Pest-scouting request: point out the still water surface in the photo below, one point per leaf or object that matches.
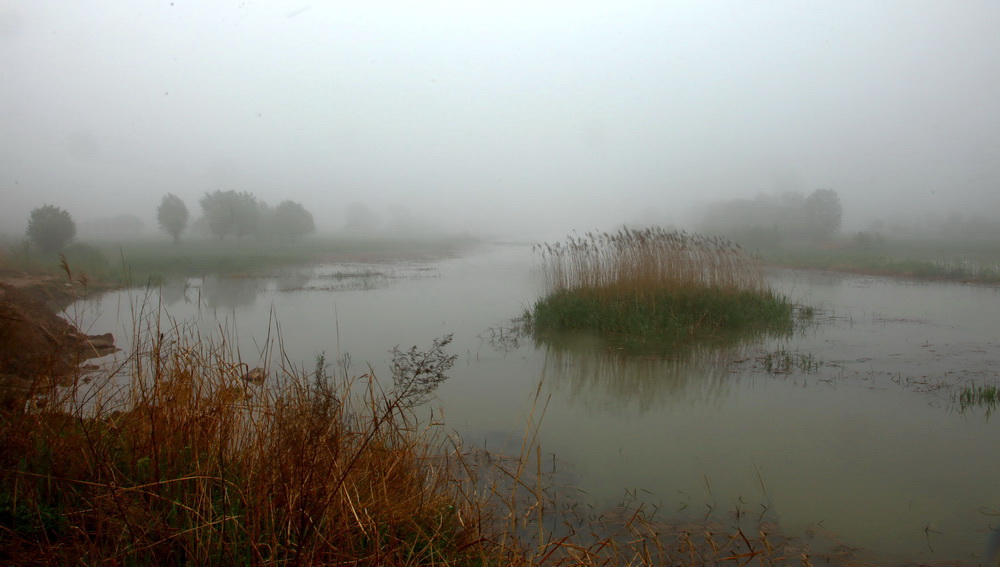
(860, 442)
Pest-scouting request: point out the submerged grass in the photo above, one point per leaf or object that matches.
(655, 283)
(782, 361)
(985, 396)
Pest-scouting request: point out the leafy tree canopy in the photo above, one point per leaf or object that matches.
(172, 215)
(291, 221)
(51, 228)
(231, 213)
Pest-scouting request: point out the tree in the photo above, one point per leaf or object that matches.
(291, 221)
(173, 215)
(229, 212)
(823, 212)
(50, 228)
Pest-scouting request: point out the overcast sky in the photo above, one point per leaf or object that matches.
(501, 115)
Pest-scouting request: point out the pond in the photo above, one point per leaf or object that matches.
(847, 431)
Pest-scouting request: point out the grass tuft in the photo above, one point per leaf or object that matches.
(985, 396)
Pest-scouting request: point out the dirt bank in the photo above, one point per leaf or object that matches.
(38, 348)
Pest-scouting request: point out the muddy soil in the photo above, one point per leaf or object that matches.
(39, 349)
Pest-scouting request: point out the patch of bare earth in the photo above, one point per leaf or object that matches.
(38, 349)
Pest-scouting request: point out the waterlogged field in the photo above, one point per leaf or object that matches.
(850, 436)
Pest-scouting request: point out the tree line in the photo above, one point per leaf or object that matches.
(224, 214)
(768, 220)
(238, 214)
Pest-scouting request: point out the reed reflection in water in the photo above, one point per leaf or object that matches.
(608, 378)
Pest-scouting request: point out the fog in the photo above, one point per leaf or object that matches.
(505, 117)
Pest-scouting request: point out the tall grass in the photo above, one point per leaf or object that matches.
(173, 458)
(654, 282)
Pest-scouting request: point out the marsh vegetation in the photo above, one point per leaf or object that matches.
(174, 457)
(983, 396)
(718, 448)
(655, 283)
(970, 261)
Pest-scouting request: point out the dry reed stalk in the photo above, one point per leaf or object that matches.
(648, 259)
(171, 458)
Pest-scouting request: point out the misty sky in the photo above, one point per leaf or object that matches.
(508, 115)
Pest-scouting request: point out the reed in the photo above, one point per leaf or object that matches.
(985, 396)
(654, 282)
(174, 458)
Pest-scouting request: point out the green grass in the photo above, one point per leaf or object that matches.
(956, 260)
(145, 260)
(985, 396)
(159, 258)
(655, 284)
(669, 312)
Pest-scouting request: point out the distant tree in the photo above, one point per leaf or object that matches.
(173, 215)
(771, 220)
(823, 212)
(291, 221)
(229, 212)
(51, 228)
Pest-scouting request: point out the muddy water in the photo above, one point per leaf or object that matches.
(845, 432)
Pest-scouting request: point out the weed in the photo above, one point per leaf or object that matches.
(985, 396)
(784, 362)
(416, 374)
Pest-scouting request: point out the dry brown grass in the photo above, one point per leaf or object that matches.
(650, 259)
(172, 458)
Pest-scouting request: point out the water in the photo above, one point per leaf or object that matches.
(865, 447)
